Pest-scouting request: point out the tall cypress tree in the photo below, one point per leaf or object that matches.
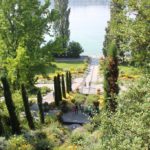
(63, 86)
(41, 112)
(59, 88)
(70, 81)
(67, 82)
(11, 107)
(27, 108)
(56, 91)
(111, 73)
(1, 127)
(61, 26)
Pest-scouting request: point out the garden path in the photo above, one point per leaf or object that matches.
(88, 84)
(92, 81)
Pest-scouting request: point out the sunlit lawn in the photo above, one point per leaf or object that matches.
(71, 65)
(57, 67)
(129, 70)
(127, 73)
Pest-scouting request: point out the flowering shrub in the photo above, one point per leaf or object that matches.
(18, 143)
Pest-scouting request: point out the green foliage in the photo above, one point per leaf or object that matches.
(128, 127)
(44, 144)
(1, 126)
(45, 90)
(17, 97)
(41, 112)
(91, 99)
(21, 37)
(79, 98)
(56, 91)
(67, 82)
(27, 107)
(61, 25)
(78, 137)
(2, 143)
(74, 49)
(63, 86)
(70, 81)
(130, 28)
(59, 88)
(17, 143)
(11, 107)
(111, 74)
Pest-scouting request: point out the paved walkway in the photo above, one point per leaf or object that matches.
(88, 84)
(92, 82)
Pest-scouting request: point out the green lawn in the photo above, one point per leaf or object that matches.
(129, 70)
(73, 66)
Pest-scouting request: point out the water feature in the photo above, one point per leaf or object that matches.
(88, 20)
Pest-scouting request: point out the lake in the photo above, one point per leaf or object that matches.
(88, 20)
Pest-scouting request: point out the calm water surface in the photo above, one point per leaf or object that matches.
(88, 21)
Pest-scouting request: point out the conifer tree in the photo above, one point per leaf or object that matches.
(11, 107)
(63, 87)
(27, 108)
(111, 73)
(56, 91)
(61, 26)
(67, 82)
(59, 88)
(41, 112)
(70, 81)
(1, 127)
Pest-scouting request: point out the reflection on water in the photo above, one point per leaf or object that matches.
(88, 20)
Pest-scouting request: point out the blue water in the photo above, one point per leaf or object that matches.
(88, 21)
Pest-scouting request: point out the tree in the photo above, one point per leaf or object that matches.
(41, 112)
(21, 38)
(127, 19)
(70, 81)
(115, 29)
(27, 107)
(56, 91)
(111, 72)
(67, 82)
(74, 49)
(1, 126)
(59, 88)
(10, 107)
(61, 25)
(63, 86)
